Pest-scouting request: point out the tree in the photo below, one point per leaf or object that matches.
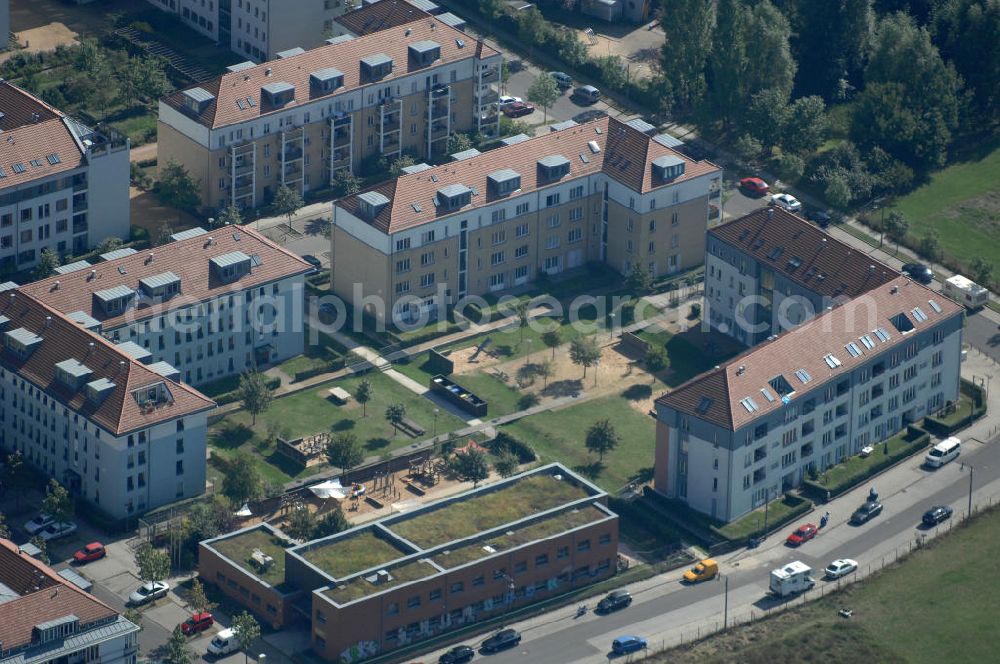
(930, 245)
(209, 518)
(153, 564)
(255, 394)
(602, 438)
(4, 528)
(552, 339)
(345, 183)
(176, 188)
(532, 29)
(832, 41)
(134, 616)
(805, 126)
(58, 503)
(287, 202)
(344, 451)
(982, 270)
(470, 466)
(687, 25)
(639, 280)
(331, 523)
(544, 92)
(48, 261)
(16, 477)
(910, 105)
(491, 9)
(111, 243)
(230, 215)
(176, 649)
(769, 34)
(748, 148)
(395, 414)
(837, 192)
(584, 352)
(656, 359)
(300, 524)
(966, 32)
(154, 82)
(506, 463)
(896, 227)
(163, 235)
(399, 163)
(459, 142)
(545, 369)
(728, 58)
(43, 548)
(521, 312)
(247, 631)
(197, 597)
(242, 482)
(766, 117)
(363, 393)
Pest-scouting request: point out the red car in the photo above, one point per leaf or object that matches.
(754, 186)
(517, 109)
(803, 534)
(93, 551)
(199, 622)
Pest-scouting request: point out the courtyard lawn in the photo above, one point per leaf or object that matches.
(310, 412)
(686, 359)
(961, 203)
(559, 436)
(501, 397)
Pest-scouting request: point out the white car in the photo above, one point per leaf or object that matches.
(841, 567)
(56, 531)
(507, 100)
(39, 523)
(787, 201)
(148, 592)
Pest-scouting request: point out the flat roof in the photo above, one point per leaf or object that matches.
(239, 546)
(133, 349)
(118, 253)
(72, 267)
(340, 557)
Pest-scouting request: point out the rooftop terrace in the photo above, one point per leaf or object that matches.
(239, 548)
(361, 586)
(515, 537)
(467, 515)
(341, 557)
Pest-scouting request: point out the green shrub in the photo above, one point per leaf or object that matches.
(505, 441)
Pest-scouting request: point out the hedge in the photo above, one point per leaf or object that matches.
(234, 395)
(521, 450)
(798, 505)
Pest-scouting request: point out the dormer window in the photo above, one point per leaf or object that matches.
(71, 373)
(554, 167)
(277, 94)
(375, 67)
(154, 395)
(326, 80)
(197, 100)
(230, 267)
(371, 203)
(164, 285)
(454, 197)
(424, 52)
(668, 167)
(115, 301)
(21, 342)
(504, 182)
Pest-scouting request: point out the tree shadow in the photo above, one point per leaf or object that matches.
(232, 436)
(638, 392)
(284, 464)
(376, 443)
(564, 388)
(317, 226)
(590, 470)
(643, 475)
(343, 425)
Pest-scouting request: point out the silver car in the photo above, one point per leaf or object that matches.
(148, 592)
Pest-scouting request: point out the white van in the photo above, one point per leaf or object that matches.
(943, 452)
(224, 643)
(793, 578)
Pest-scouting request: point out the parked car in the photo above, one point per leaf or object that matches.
(787, 201)
(936, 515)
(919, 272)
(841, 567)
(626, 644)
(91, 552)
(518, 109)
(586, 94)
(618, 599)
(148, 592)
(702, 571)
(802, 534)
(821, 217)
(56, 531)
(754, 186)
(866, 512)
(312, 260)
(223, 643)
(199, 622)
(507, 100)
(39, 523)
(505, 638)
(587, 116)
(457, 655)
(562, 79)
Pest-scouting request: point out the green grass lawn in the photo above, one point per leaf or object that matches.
(501, 397)
(310, 411)
(686, 359)
(858, 466)
(342, 557)
(778, 510)
(939, 605)
(239, 548)
(961, 203)
(560, 435)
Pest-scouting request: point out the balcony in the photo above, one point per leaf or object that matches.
(292, 154)
(390, 125)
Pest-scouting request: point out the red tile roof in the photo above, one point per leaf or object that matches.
(625, 154)
(715, 396)
(188, 259)
(44, 596)
(345, 56)
(63, 339)
(31, 131)
(826, 265)
(380, 15)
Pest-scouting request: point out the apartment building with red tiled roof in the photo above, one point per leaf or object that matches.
(297, 120)
(597, 192)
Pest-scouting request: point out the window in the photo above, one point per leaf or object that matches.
(403, 265)
(499, 237)
(583, 545)
(427, 280)
(499, 215)
(576, 192)
(552, 199)
(552, 242)
(434, 594)
(413, 602)
(403, 244)
(562, 552)
(457, 587)
(576, 214)
(521, 566)
(552, 221)
(403, 287)
(497, 258)
(523, 208)
(542, 560)
(425, 238)
(521, 251)
(575, 235)
(521, 230)
(180, 467)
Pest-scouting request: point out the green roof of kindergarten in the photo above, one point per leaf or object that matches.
(239, 547)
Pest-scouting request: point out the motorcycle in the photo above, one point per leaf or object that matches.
(581, 610)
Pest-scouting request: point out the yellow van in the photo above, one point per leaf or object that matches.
(703, 571)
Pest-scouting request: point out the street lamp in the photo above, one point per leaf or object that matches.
(725, 605)
(971, 471)
(436, 411)
(611, 327)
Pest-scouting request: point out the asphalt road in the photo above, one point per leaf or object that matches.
(588, 639)
(983, 333)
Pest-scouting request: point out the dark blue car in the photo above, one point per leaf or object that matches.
(626, 644)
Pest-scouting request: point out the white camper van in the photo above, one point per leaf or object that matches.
(793, 578)
(965, 291)
(945, 451)
(225, 642)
